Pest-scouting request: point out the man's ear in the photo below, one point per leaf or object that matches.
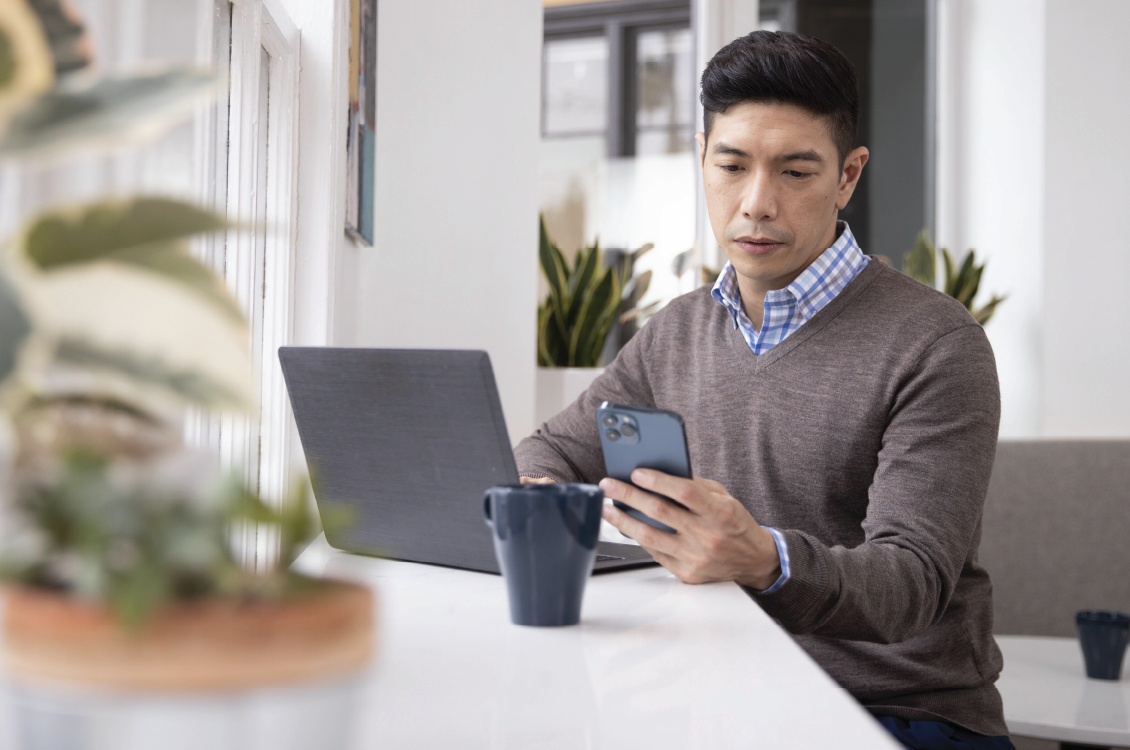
(849, 178)
(701, 138)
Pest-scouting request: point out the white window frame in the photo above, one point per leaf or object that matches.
(256, 258)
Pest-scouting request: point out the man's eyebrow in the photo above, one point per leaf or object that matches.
(808, 155)
(722, 148)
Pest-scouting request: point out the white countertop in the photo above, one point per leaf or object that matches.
(654, 663)
(1047, 694)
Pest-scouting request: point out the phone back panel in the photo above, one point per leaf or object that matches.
(661, 442)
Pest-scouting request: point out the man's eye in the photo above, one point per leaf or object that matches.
(795, 173)
(730, 167)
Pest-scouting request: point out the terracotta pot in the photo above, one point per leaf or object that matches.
(212, 644)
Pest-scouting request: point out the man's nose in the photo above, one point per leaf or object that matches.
(759, 199)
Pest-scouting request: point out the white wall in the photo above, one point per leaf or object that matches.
(455, 257)
(454, 261)
(1086, 359)
(990, 190)
(1034, 172)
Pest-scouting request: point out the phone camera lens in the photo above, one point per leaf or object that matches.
(627, 430)
(612, 435)
(609, 420)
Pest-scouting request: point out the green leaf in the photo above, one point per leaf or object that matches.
(544, 359)
(581, 282)
(134, 595)
(14, 328)
(972, 283)
(552, 344)
(950, 281)
(594, 310)
(551, 264)
(920, 262)
(562, 260)
(641, 251)
(175, 262)
(191, 386)
(682, 262)
(106, 112)
(643, 281)
(984, 313)
(98, 230)
(964, 276)
(554, 267)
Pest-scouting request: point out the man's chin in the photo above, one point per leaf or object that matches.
(759, 268)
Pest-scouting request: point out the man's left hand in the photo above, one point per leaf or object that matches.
(718, 539)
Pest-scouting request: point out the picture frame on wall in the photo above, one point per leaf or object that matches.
(361, 140)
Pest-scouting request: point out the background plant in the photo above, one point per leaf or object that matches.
(961, 282)
(585, 300)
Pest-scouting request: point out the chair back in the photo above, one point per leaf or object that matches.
(1056, 533)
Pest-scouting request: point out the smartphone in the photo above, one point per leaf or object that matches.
(639, 437)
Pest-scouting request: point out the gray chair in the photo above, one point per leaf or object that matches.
(1056, 534)
(1056, 538)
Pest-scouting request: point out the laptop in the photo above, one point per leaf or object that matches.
(405, 442)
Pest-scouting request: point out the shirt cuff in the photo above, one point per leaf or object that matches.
(783, 553)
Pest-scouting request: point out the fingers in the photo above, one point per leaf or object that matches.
(645, 502)
(536, 480)
(650, 538)
(686, 491)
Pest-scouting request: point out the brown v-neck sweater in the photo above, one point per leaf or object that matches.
(867, 437)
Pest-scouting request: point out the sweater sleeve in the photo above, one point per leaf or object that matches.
(567, 447)
(924, 505)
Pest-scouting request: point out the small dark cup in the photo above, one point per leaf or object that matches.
(545, 539)
(1103, 637)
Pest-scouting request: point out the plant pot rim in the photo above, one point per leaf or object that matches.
(212, 643)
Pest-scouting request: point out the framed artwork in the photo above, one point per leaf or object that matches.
(361, 141)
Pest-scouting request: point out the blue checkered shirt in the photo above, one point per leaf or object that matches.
(788, 309)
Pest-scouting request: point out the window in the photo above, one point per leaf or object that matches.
(248, 160)
(619, 69)
(664, 92)
(617, 151)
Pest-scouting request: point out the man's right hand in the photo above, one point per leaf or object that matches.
(536, 480)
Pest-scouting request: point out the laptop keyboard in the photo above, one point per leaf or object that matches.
(606, 558)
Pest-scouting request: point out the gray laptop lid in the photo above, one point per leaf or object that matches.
(407, 440)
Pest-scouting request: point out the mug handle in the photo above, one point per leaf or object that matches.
(486, 510)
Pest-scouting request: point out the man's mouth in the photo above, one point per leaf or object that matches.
(757, 245)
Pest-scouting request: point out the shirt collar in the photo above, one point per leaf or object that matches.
(821, 274)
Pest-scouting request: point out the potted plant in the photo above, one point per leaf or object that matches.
(587, 301)
(962, 284)
(118, 568)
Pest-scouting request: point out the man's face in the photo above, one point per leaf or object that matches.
(774, 188)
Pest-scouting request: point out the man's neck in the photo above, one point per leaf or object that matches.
(753, 291)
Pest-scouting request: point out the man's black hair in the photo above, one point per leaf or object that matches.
(779, 66)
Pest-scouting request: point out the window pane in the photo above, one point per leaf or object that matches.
(665, 78)
(575, 86)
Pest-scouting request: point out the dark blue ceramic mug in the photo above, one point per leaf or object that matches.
(545, 540)
(1103, 637)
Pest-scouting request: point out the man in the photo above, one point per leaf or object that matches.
(841, 417)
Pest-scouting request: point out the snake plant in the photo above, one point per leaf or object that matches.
(582, 305)
(962, 284)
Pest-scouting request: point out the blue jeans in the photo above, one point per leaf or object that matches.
(935, 735)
